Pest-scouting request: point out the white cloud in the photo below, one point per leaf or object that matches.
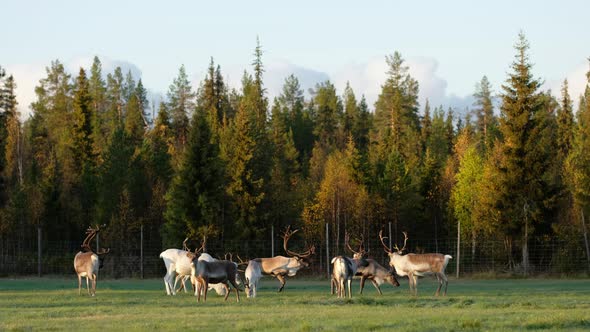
(367, 78)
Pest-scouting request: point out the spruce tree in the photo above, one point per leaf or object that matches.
(195, 199)
(486, 122)
(97, 90)
(82, 131)
(522, 191)
(565, 123)
(181, 103)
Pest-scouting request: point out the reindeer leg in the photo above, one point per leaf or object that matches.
(377, 286)
(199, 288)
(233, 283)
(79, 285)
(87, 285)
(226, 291)
(282, 281)
(94, 285)
(446, 280)
(415, 284)
(205, 288)
(440, 282)
(363, 279)
(350, 288)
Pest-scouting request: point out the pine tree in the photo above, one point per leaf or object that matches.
(82, 132)
(426, 125)
(328, 109)
(181, 103)
(194, 198)
(144, 104)
(565, 123)
(97, 90)
(522, 191)
(113, 118)
(396, 109)
(134, 124)
(486, 121)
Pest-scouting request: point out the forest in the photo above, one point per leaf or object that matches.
(230, 164)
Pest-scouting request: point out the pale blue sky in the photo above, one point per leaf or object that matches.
(449, 45)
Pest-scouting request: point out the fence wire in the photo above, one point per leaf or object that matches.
(548, 256)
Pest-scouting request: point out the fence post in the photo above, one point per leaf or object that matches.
(390, 234)
(141, 251)
(458, 246)
(39, 250)
(327, 252)
(272, 240)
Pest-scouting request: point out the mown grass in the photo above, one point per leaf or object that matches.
(305, 305)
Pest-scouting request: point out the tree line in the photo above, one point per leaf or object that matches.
(230, 164)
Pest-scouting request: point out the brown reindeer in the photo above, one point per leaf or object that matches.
(415, 265)
(87, 262)
(279, 266)
(369, 269)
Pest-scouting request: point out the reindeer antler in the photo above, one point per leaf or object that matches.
(184, 246)
(90, 234)
(405, 241)
(387, 249)
(286, 236)
(361, 250)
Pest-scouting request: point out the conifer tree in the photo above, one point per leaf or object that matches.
(565, 123)
(181, 103)
(328, 109)
(486, 123)
(82, 132)
(97, 90)
(194, 198)
(522, 191)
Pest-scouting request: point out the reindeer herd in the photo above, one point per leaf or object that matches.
(206, 272)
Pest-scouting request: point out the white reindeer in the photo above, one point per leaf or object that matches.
(417, 265)
(178, 268)
(343, 270)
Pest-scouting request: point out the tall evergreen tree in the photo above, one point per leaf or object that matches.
(565, 123)
(97, 90)
(328, 110)
(181, 103)
(82, 116)
(486, 121)
(522, 192)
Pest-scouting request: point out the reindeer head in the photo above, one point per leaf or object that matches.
(87, 247)
(302, 258)
(388, 250)
(361, 253)
(248, 288)
(193, 255)
(391, 279)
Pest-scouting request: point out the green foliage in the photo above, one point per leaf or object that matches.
(195, 196)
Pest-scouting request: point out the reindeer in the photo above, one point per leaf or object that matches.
(178, 268)
(204, 273)
(417, 265)
(87, 262)
(252, 275)
(343, 270)
(370, 269)
(278, 266)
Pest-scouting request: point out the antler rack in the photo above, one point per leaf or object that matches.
(286, 236)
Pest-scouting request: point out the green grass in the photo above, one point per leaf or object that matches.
(305, 305)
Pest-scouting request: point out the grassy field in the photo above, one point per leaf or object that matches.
(537, 304)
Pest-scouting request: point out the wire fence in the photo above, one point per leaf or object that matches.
(547, 256)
